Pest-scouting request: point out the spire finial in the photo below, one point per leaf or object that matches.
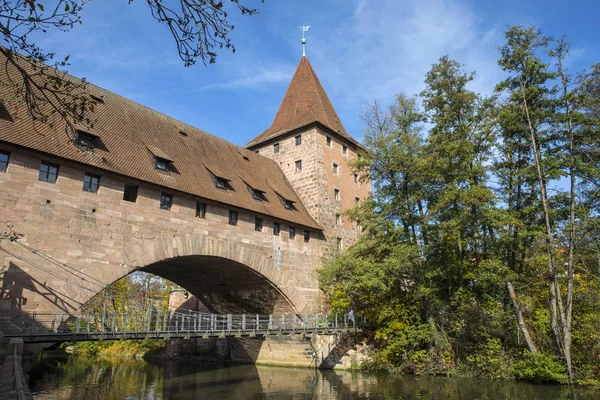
(304, 28)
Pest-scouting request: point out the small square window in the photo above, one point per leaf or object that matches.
(4, 156)
(221, 183)
(298, 140)
(292, 233)
(298, 165)
(200, 209)
(276, 148)
(338, 219)
(257, 195)
(91, 183)
(356, 200)
(276, 228)
(258, 224)
(344, 150)
(336, 194)
(166, 201)
(162, 164)
(233, 217)
(289, 205)
(130, 193)
(335, 169)
(339, 243)
(307, 236)
(48, 172)
(328, 141)
(355, 177)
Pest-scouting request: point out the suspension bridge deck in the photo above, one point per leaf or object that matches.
(44, 328)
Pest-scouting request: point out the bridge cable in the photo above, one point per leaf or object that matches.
(61, 265)
(67, 280)
(106, 290)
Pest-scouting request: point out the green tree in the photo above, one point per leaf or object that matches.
(458, 149)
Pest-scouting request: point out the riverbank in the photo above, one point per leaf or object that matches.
(536, 369)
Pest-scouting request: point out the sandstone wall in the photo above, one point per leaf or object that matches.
(84, 241)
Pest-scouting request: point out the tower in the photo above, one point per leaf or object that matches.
(310, 144)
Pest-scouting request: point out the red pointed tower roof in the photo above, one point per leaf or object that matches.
(304, 103)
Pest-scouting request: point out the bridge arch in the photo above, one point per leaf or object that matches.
(228, 276)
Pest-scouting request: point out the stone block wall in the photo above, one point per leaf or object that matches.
(316, 183)
(80, 242)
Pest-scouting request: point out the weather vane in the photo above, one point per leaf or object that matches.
(304, 28)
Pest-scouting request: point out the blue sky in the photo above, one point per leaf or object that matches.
(360, 49)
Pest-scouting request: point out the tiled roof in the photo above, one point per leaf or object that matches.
(305, 102)
(129, 133)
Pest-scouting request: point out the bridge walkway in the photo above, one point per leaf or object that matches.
(43, 328)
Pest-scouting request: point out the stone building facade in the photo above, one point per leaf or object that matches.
(244, 232)
(311, 146)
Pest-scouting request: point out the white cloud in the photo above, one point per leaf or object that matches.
(255, 78)
(387, 46)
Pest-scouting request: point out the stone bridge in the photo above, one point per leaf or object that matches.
(244, 229)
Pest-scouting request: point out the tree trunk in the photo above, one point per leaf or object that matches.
(423, 229)
(552, 278)
(571, 267)
(519, 315)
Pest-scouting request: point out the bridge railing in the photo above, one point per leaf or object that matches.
(62, 326)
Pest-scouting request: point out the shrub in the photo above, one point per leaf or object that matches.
(539, 367)
(491, 361)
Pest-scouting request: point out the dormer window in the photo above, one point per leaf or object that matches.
(258, 195)
(4, 114)
(287, 203)
(85, 138)
(162, 160)
(162, 164)
(221, 183)
(97, 99)
(219, 179)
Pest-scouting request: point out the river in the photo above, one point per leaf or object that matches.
(58, 376)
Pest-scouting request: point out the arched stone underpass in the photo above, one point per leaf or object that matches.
(224, 286)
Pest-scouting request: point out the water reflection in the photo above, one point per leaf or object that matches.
(60, 377)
